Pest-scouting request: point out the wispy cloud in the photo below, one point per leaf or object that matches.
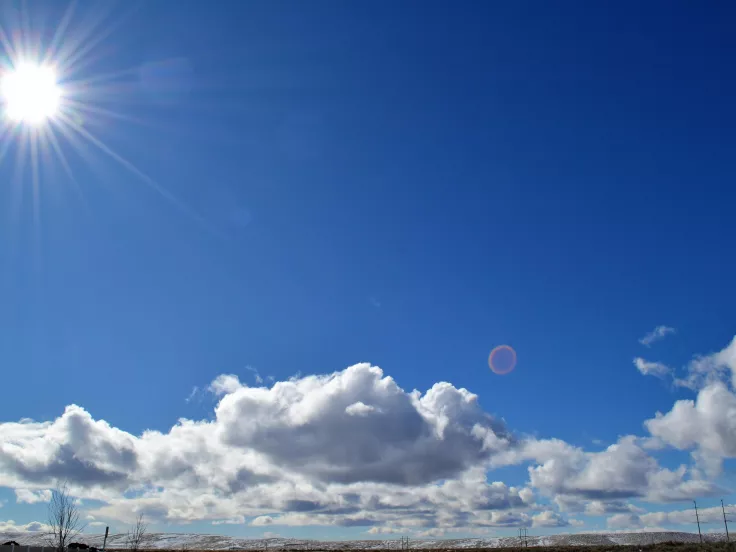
(256, 375)
(651, 368)
(657, 334)
(193, 394)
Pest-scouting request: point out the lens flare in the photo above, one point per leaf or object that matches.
(502, 360)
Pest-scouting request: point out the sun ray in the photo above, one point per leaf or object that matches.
(7, 44)
(51, 96)
(82, 108)
(35, 181)
(50, 137)
(77, 55)
(59, 32)
(166, 194)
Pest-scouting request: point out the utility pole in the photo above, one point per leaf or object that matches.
(697, 520)
(725, 520)
(104, 542)
(523, 542)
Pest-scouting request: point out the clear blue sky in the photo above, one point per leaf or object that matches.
(403, 184)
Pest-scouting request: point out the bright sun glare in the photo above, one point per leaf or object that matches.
(31, 93)
(50, 93)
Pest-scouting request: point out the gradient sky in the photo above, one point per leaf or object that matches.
(276, 190)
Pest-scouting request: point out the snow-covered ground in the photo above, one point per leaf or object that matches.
(191, 541)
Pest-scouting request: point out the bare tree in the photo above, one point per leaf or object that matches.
(63, 519)
(136, 535)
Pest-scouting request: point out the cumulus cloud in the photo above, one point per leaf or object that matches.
(684, 517)
(648, 368)
(658, 333)
(10, 526)
(600, 508)
(410, 438)
(31, 497)
(224, 384)
(705, 370)
(348, 449)
(623, 470)
(623, 521)
(359, 409)
(74, 447)
(548, 518)
(706, 425)
(652, 520)
(569, 503)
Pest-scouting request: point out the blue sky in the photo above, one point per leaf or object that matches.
(286, 189)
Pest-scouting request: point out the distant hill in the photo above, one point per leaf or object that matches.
(193, 541)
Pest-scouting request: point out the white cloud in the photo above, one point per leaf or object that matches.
(707, 424)
(383, 530)
(658, 333)
(623, 470)
(705, 370)
(410, 439)
(31, 497)
(262, 520)
(548, 518)
(623, 521)
(359, 409)
(527, 496)
(648, 368)
(600, 508)
(225, 384)
(685, 517)
(10, 526)
(349, 448)
(256, 374)
(569, 503)
(346, 449)
(193, 394)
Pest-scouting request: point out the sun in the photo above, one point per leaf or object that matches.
(30, 93)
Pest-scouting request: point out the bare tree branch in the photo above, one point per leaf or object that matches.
(136, 535)
(63, 519)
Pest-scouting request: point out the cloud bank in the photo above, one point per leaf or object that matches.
(354, 449)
